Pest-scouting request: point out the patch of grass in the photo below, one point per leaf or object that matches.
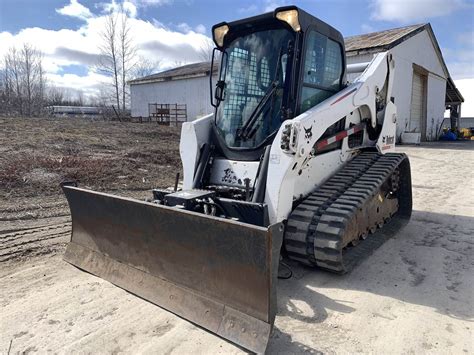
(158, 156)
(46, 172)
(37, 154)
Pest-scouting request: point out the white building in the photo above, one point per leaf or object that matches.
(422, 89)
(187, 85)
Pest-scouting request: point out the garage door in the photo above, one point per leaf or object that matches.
(417, 103)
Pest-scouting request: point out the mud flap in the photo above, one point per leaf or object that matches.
(216, 273)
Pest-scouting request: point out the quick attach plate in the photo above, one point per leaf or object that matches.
(187, 198)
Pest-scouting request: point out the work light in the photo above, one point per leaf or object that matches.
(219, 34)
(290, 17)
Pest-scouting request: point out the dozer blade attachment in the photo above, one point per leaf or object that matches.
(217, 273)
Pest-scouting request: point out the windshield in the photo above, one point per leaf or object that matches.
(254, 67)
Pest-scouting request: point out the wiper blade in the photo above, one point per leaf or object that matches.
(246, 129)
(250, 123)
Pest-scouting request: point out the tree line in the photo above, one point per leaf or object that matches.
(25, 90)
(22, 82)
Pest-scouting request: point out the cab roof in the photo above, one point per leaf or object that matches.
(306, 21)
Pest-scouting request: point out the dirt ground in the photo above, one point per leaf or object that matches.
(415, 294)
(36, 155)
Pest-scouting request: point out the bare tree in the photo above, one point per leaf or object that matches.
(32, 77)
(179, 63)
(127, 53)
(60, 96)
(80, 98)
(144, 67)
(118, 55)
(42, 83)
(109, 63)
(55, 96)
(23, 80)
(5, 88)
(205, 52)
(27, 54)
(13, 74)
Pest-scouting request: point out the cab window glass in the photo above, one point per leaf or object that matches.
(311, 97)
(252, 63)
(322, 70)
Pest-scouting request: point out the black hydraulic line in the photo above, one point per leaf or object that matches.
(259, 193)
(201, 169)
(176, 181)
(247, 189)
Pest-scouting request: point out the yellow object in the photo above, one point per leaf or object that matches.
(291, 18)
(219, 34)
(466, 132)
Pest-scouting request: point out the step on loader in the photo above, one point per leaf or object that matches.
(294, 162)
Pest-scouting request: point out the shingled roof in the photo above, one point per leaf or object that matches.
(382, 40)
(183, 72)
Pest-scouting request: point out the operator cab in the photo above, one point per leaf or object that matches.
(273, 67)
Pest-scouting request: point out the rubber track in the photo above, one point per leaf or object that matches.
(316, 227)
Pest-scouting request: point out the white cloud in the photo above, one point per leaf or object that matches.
(366, 28)
(271, 5)
(75, 9)
(130, 8)
(200, 28)
(466, 38)
(460, 62)
(108, 7)
(466, 87)
(406, 11)
(461, 68)
(89, 84)
(249, 9)
(184, 27)
(65, 47)
(152, 2)
(263, 6)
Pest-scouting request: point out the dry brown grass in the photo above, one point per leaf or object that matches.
(46, 172)
(37, 154)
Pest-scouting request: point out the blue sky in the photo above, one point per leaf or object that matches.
(172, 31)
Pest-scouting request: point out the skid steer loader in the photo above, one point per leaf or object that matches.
(294, 161)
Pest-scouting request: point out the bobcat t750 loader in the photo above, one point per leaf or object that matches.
(294, 161)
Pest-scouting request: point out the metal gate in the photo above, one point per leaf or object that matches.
(168, 114)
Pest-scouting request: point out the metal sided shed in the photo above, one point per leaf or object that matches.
(187, 85)
(423, 88)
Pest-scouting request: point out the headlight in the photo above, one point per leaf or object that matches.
(219, 34)
(291, 18)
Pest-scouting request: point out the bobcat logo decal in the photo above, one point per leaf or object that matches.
(229, 176)
(388, 139)
(308, 132)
